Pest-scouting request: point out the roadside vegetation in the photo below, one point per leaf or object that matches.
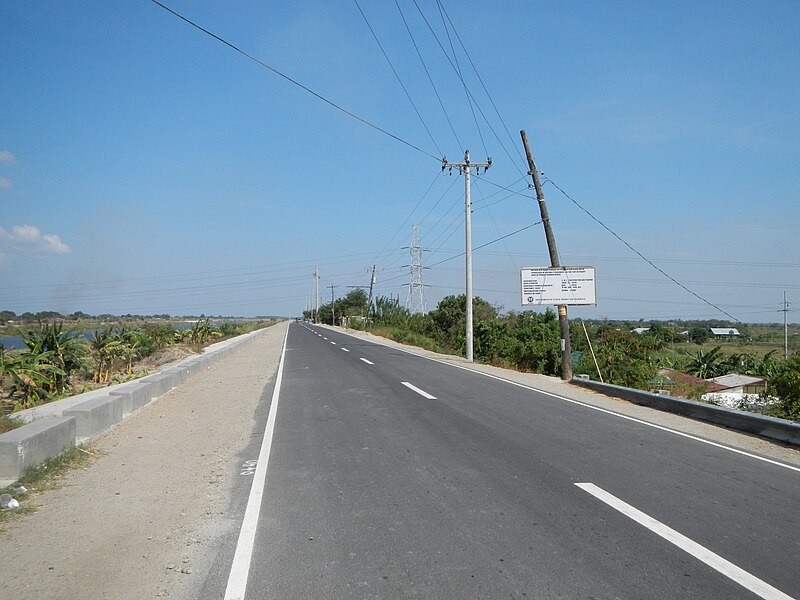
(529, 341)
(58, 361)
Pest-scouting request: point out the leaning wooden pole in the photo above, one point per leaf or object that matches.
(563, 321)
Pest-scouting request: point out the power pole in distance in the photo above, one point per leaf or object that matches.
(333, 306)
(369, 302)
(465, 168)
(316, 288)
(416, 291)
(785, 311)
(563, 321)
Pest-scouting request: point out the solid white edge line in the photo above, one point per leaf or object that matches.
(240, 569)
(419, 391)
(701, 553)
(599, 409)
(369, 362)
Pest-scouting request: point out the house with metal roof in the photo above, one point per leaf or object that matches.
(725, 332)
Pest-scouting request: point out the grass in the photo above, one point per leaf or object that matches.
(44, 477)
(7, 423)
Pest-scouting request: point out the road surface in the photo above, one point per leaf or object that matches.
(395, 476)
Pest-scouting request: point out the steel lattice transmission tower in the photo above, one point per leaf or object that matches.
(416, 295)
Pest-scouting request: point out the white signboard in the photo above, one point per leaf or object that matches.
(558, 285)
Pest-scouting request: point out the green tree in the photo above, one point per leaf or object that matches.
(623, 358)
(706, 365)
(786, 386)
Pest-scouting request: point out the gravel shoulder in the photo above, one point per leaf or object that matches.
(144, 519)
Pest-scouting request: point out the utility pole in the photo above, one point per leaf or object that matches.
(316, 288)
(563, 321)
(785, 311)
(333, 306)
(369, 302)
(465, 168)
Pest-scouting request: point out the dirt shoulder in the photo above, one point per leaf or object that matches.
(142, 520)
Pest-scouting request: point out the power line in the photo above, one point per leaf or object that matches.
(508, 235)
(642, 256)
(427, 72)
(293, 81)
(486, 91)
(397, 75)
(463, 83)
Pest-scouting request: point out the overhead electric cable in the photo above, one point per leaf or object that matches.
(397, 76)
(642, 256)
(508, 235)
(427, 72)
(294, 81)
(483, 85)
(408, 218)
(460, 76)
(477, 105)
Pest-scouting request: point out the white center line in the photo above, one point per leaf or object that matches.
(701, 553)
(419, 391)
(369, 362)
(345, 349)
(334, 343)
(324, 338)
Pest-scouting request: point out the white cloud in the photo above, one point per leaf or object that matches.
(28, 237)
(7, 157)
(5, 184)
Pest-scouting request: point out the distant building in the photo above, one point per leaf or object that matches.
(681, 385)
(640, 330)
(725, 332)
(740, 384)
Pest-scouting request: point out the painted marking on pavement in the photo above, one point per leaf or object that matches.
(240, 569)
(602, 410)
(324, 338)
(345, 349)
(334, 343)
(701, 553)
(419, 391)
(369, 362)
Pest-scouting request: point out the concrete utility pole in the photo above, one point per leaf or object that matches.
(333, 306)
(563, 321)
(785, 311)
(316, 288)
(465, 168)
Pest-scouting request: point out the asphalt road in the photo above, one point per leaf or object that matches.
(463, 486)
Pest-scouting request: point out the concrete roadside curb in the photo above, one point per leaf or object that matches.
(780, 430)
(52, 428)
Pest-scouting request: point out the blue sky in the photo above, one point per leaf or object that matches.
(147, 168)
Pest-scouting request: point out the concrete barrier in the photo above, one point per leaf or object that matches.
(56, 426)
(768, 427)
(96, 415)
(134, 396)
(161, 382)
(34, 443)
